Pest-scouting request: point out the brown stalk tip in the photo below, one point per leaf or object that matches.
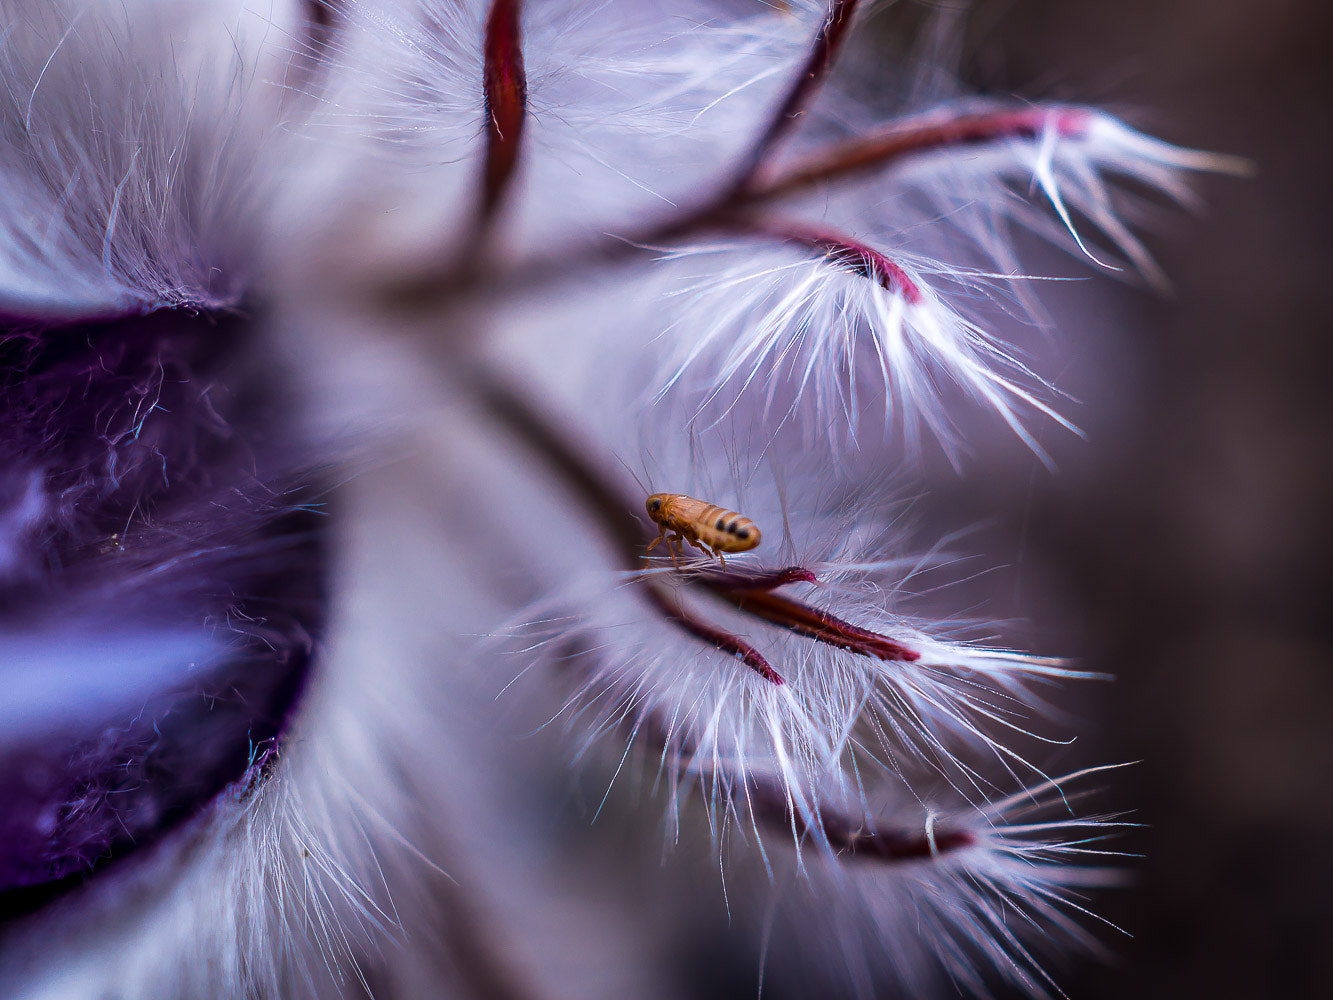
(851, 254)
(720, 639)
(862, 839)
(899, 845)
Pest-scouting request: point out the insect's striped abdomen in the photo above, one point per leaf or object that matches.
(725, 530)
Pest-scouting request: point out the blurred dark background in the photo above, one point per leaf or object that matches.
(1187, 543)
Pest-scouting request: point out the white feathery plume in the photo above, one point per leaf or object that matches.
(883, 323)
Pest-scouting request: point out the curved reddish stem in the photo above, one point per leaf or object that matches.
(767, 580)
(673, 612)
(823, 51)
(875, 152)
(852, 254)
(753, 593)
(814, 623)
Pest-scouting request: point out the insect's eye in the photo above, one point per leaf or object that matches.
(655, 506)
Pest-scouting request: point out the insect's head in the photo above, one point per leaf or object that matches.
(655, 504)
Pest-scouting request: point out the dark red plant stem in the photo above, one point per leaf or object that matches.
(506, 93)
(875, 152)
(321, 16)
(816, 624)
(672, 611)
(770, 580)
(823, 52)
(847, 252)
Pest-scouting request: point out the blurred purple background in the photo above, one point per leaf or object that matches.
(1189, 541)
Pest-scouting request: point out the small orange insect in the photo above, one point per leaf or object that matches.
(704, 525)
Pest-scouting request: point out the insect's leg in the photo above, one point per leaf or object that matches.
(653, 544)
(705, 549)
(673, 545)
(721, 561)
(680, 546)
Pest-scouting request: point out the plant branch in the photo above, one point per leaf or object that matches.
(897, 143)
(771, 805)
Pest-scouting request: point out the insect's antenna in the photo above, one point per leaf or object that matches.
(695, 463)
(635, 476)
(780, 488)
(735, 445)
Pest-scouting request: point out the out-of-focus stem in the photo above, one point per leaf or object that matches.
(320, 16)
(770, 805)
(823, 51)
(610, 503)
(858, 838)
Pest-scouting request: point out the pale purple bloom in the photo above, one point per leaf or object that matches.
(342, 342)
